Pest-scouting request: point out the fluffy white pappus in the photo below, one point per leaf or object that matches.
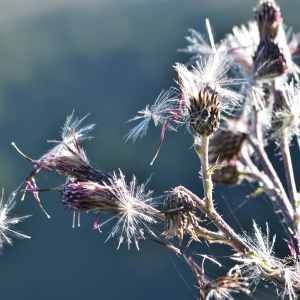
(161, 112)
(210, 72)
(227, 292)
(259, 259)
(288, 42)
(72, 134)
(289, 116)
(7, 221)
(242, 44)
(292, 279)
(73, 127)
(136, 211)
(197, 45)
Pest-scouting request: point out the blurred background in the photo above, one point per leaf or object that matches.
(108, 58)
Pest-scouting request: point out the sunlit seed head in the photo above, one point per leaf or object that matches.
(291, 275)
(7, 221)
(129, 204)
(204, 112)
(260, 259)
(225, 287)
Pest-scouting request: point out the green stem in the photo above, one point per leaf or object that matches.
(206, 172)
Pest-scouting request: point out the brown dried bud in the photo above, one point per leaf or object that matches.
(180, 215)
(268, 17)
(205, 112)
(226, 145)
(269, 60)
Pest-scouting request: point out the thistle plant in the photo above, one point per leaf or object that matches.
(237, 98)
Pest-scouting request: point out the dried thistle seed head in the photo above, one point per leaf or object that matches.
(67, 156)
(269, 61)
(204, 112)
(129, 203)
(180, 215)
(268, 17)
(7, 221)
(226, 145)
(225, 286)
(259, 259)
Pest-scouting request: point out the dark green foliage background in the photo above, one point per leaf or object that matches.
(108, 58)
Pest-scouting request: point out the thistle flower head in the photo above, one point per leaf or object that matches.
(89, 196)
(204, 112)
(268, 18)
(269, 60)
(180, 215)
(209, 74)
(223, 287)
(68, 153)
(7, 221)
(160, 113)
(210, 70)
(130, 205)
(202, 104)
(67, 156)
(242, 46)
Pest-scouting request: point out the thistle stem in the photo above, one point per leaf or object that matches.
(258, 145)
(232, 237)
(290, 179)
(272, 174)
(288, 168)
(236, 242)
(206, 172)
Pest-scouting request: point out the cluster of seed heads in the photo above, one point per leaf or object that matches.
(235, 98)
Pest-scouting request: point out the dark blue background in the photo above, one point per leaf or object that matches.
(108, 58)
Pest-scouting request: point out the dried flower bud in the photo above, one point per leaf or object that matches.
(269, 60)
(180, 215)
(268, 17)
(89, 196)
(204, 112)
(226, 145)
